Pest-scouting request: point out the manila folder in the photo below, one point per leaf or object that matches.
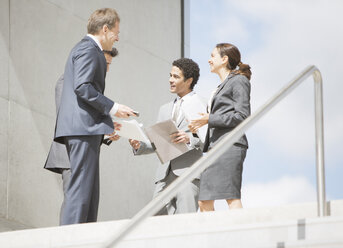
(159, 135)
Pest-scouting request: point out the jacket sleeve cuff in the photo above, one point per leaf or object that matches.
(213, 120)
(114, 109)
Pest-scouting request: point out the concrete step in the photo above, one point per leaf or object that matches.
(10, 225)
(307, 244)
(287, 226)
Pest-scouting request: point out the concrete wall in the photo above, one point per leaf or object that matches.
(36, 37)
(4, 61)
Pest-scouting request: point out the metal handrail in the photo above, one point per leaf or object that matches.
(222, 146)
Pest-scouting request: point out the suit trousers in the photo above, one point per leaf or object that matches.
(82, 194)
(66, 173)
(185, 201)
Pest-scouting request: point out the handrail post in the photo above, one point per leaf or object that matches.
(319, 130)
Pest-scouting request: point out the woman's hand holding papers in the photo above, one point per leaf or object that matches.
(198, 123)
(180, 137)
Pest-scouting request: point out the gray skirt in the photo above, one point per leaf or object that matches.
(223, 179)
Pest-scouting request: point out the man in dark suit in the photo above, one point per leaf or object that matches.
(84, 115)
(57, 160)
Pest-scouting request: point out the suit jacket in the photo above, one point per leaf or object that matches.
(58, 157)
(84, 110)
(230, 106)
(183, 162)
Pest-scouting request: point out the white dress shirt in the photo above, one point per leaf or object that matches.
(190, 94)
(96, 41)
(182, 99)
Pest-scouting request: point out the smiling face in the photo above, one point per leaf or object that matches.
(178, 84)
(110, 36)
(216, 61)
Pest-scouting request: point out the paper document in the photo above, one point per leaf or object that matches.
(131, 129)
(191, 109)
(159, 135)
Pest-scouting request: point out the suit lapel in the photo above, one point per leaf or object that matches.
(221, 86)
(102, 57)
(98, 49)
(180, 119)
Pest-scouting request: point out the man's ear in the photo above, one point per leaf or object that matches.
(189, 82)
(105, 28)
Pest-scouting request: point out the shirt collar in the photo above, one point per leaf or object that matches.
(96, 41)
(185, 96)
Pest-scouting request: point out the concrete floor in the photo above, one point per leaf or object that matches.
(8, 225)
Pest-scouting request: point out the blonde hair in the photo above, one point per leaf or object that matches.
(101, 17)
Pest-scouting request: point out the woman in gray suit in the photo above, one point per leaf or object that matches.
(229, 105)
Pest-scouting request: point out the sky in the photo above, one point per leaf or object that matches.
(279, 39)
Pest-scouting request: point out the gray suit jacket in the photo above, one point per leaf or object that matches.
(84, 110)
(230, 106)
(58, 157)
(181, 163)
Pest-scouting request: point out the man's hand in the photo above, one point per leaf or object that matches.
(124, 111)
(180, 137)
(135, 144)
(116, 126)
(198, 123)
(114, 138)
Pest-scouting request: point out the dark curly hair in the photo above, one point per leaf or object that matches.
(189, 68)
(113, 52)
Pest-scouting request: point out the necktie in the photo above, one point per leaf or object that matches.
(177, 109)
